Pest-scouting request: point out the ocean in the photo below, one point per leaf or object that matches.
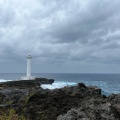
(109, 83)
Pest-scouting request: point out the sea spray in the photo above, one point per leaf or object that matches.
(58, 84)
(3, 80)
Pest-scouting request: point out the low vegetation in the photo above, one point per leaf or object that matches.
(11, 115)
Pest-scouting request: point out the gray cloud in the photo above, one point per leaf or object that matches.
(60, 32)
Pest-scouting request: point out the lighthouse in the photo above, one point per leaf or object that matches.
(28, 74)
(29, 57)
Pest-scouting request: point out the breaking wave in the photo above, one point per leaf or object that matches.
(3, 80)
(57, 84)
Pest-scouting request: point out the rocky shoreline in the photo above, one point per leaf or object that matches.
(28, 101)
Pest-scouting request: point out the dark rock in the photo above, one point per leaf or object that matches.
(26, 83)
(91, 110)
(2, 97)
(95, 108)
(81, 85)
(79, 102)
(15, 94)
(44, 80)
(48, 104)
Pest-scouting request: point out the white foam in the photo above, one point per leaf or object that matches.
(57, 84)
(3, 80)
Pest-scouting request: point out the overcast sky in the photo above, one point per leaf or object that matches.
(80, 36)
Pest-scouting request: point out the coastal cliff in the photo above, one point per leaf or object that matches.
(80, 102)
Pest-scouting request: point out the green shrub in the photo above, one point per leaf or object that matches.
(11, 116)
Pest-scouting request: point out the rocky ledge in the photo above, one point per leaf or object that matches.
(26, 83)
(79, 102)
(12, 92)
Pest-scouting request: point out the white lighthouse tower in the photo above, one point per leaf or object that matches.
(28, 74)
(29, 57)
